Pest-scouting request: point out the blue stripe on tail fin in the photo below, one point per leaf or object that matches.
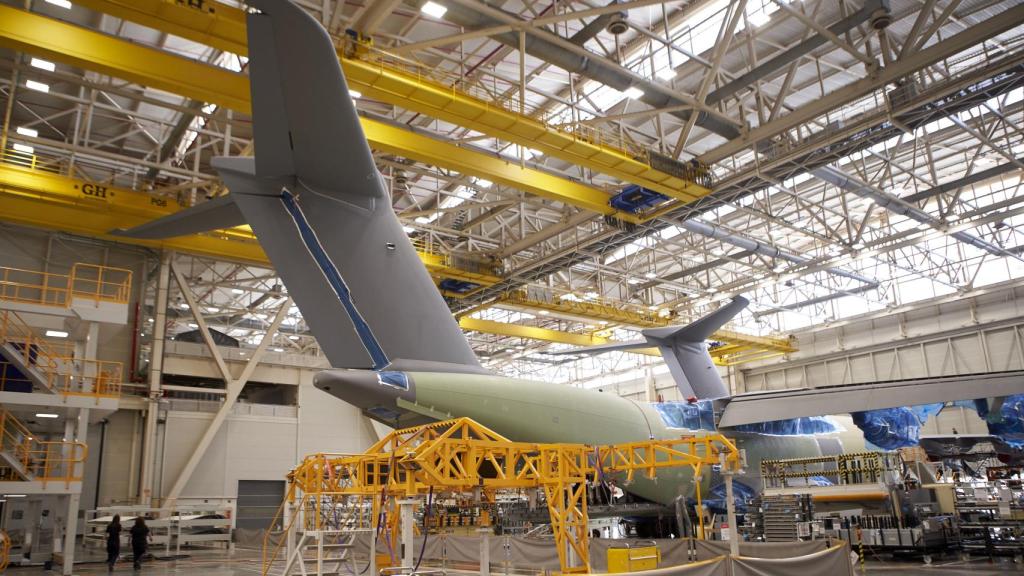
(330, 271)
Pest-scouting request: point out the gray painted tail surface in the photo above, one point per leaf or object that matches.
(321, 210)
(685, 351)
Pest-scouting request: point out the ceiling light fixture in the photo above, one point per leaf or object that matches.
(37, 86)
(433, 9)
(30, 132)
(43, 64)
(47, 415)
(355, 94)
(62, 3)
(56, 334)
(23, 148)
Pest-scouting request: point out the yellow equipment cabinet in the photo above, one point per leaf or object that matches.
(633, 558)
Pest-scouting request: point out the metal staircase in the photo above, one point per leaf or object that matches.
(25, 458)
(29, 363)
(322, 537)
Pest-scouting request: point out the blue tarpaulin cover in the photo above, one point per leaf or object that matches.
(1008, 426)
(715, 499)
(793, 426)
(892, 428)
(700, 416)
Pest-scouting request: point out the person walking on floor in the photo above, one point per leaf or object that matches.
(113, 541)
(140, 535)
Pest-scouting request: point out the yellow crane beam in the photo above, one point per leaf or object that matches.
(723, 355)
(414, 87)
(84, 48)
(538, 333)
(57, 202)
(737, 348)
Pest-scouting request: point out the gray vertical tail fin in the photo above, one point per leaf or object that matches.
(321, 211)
(685, 350)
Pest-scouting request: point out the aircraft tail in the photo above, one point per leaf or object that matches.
(685, 350)
(321, 210)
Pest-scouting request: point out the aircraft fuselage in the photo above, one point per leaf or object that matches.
(530, 411)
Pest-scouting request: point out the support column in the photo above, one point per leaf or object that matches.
(485, 551)
(70, 534)
(405, 513)
(730, 510)
(156, 363)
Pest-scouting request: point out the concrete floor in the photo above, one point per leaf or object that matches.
(244, 562)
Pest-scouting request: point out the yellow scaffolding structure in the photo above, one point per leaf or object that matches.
(461, 455)
(77, 46)
(422, 89)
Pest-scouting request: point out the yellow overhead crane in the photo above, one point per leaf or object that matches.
(57, 202)
(463, 456)
(412, 86)
(736, 347)
(84, 48)
(70, 209)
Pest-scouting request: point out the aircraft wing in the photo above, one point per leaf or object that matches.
(770, 406)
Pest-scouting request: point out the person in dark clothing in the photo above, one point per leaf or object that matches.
(113, 541)
(140, 535)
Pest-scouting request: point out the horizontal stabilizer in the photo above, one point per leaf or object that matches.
(703, 328)
(631, 345)
(215, 214)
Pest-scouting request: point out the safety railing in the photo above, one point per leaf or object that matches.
(86, 282)
(40, 460)
(100, 283)
(51, 365)
(32, 160)
(33, 287)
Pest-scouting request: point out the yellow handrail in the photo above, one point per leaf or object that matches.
(90, 282)
(61, 373)
(45, 461)
(100, 283)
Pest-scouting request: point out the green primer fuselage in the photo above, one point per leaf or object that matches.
(531, 411)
